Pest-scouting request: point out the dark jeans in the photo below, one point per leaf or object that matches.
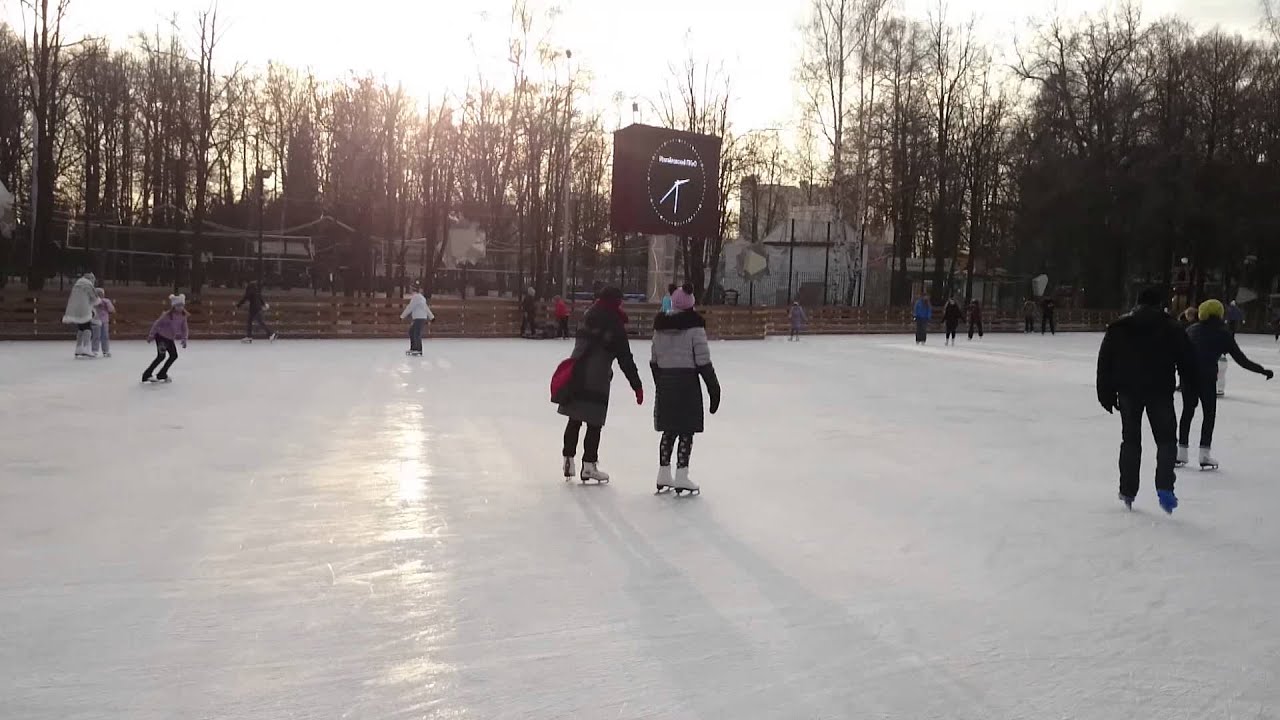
(1031, 324)
(164, 346)
(590, 444)
(1207, 395)
(975, 325)
(256, 318)
(951, 329)
(1048, 322)
(922, 330)
(1160, 415)
(528, 326)
(415, 335)
(564, 327)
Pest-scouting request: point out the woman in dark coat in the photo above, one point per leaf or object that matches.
(951, 315)
(975, 318)
(679, 357)
(585, 399)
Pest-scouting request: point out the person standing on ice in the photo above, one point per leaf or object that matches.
(1211, 339)
(975, 318)
(922, 313)
(562, 317)
(1029, 316)
(81, 312)
(584, 400)
(1235, 317)
(169, 328)
(797, 318)
(951, 316)
(666, 299)
(420, 315)
(101, 330)
(257, 306)
(528, 314)
(1136, 364)
(678, 357)
(1048, 317)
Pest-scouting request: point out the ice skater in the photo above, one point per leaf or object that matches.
(1029, 316)
(1235, 317)
(528, 314)
(1136, 375)
(420, 314)
(798, 320)
(257, 306)
(170, 328)
(1211, 339)
(666, 299)
(679, 356)
(562, 317)
(951, 315)
(101, 330)
(81, 312)
(584, 400)
(975, 318)
(922, 313)
(1049, 317)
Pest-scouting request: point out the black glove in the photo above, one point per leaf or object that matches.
(708, 374)
(1107, 401)
(1269, 373)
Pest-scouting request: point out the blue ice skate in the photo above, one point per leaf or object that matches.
(1168, 501)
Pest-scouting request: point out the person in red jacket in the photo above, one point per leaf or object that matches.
(562, 316)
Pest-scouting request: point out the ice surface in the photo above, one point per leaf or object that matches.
(319, 529)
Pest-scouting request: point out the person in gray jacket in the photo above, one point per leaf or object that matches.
(602, 338)
(679, 356)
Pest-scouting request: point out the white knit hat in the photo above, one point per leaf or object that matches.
(177, 300)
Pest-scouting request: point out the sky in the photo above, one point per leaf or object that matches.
(436, 46)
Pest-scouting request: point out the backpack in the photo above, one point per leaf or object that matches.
(561, 378)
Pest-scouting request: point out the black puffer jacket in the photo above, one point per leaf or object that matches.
(1139, 354)
(1212, 339)
(952, 314)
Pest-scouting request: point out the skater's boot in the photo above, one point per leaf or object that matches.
(1168, 501)
(1182, 456)
(1207, 462)
(570, 468)
(1128, 501)
(664, 481)
(683, 483)
(592, 472)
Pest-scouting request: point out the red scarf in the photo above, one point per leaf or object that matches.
(614, 305)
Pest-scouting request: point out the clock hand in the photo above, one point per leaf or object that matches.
(674, 187)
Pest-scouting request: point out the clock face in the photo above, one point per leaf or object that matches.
(677, 182)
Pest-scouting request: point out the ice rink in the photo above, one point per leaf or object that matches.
(329, 529)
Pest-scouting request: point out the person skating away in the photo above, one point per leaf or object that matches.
(922, 313)
(1235, 317)
(101, 330)
(1029, 316)
(170, 328)
(797, 319)
(666, 299)
(1211, 339)
(975, 318)
(678, 357)
(257, 306)
(584, 400)
(562, 317)
(420, 314)
(528, 314)
(1048, 317)
(1136, 364)
(82, 312)
(951, 316)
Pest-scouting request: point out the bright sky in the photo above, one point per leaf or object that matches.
(433, 46)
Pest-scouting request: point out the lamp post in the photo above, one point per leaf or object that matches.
(262, 174)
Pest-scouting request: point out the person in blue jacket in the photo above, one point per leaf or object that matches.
(923, 313)
(1235, 317)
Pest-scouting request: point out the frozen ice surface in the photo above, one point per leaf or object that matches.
(318, 529)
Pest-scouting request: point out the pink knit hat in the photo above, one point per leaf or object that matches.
(681, 300)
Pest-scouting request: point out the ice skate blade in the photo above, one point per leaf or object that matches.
(663, 489)
(1208, 468)
(685, 492)
(592, 481)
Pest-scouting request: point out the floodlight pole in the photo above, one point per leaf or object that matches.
(568, 172)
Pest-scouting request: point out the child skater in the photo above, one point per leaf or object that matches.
(102, 331)
(169, 328)
(422, 315)
(798, 320)
(679, 356)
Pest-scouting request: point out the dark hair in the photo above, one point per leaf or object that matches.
(687, 287)
(611, 293)
(671, 288)
(1153, 295)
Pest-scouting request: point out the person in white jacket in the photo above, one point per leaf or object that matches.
(81, 312)
(421, 314)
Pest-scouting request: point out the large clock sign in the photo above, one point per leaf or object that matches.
(665, 182)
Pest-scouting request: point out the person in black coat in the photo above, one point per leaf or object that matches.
(528, 314)
(1048, 317)
(602, 339)
(1136, 366)
(975, 318)
(257, 305)
(1211, 338)
(951, 316)
(679, 357)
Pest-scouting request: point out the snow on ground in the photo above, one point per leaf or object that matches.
(319, 529)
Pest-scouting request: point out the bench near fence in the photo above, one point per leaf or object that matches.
(25, 316)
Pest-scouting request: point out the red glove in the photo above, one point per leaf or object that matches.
(639, 396)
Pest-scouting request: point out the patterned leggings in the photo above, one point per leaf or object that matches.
(668, 444)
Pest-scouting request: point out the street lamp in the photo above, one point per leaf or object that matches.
(261, 174)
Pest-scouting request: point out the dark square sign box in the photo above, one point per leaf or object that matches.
(665, 182)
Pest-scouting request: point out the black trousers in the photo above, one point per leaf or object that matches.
(922, 331)
(1163, 421)
(564, 327)
(164, 346)
(1206, 394)
(590, 444)
(415, 334)
(1048, 322)
(528, 326)
(1031, 323)
(951, 329)
(975, 325)
(256, 319)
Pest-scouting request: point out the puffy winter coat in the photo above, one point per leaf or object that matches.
(923, 310)
(678, 356)
(1211, 339)
(952, 313)
(602, 338)
(253, 296)
(417, 308)
(80, 306)
(1139, 354)
(975, 313)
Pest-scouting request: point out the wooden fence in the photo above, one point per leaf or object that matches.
(25, 316)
